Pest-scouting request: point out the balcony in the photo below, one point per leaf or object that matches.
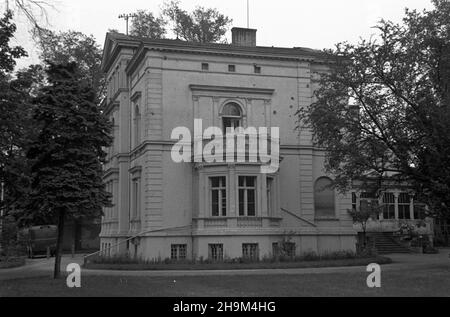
(248, 153)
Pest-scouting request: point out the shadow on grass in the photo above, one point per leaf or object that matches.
(12, 262)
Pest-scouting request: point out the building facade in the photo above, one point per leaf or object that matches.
(163, 209)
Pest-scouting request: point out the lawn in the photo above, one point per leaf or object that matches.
(8, 263)
(415, 282)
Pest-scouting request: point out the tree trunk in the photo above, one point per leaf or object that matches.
(59, 245)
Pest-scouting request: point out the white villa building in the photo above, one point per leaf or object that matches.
(163, 209)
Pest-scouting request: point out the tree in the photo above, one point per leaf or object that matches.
(34, 10)
(382, 112)
(13, 110)
(8, 54)
(367, 211)
(144, 24)
(67, 155)
(204, 25)
(74, 46)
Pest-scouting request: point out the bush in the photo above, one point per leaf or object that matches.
(304, 257)
(430, 250)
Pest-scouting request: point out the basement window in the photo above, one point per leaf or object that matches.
(232, 68)
(178, 251)
(216, 252)
(250, 251)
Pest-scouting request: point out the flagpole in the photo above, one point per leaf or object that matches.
(248, 14)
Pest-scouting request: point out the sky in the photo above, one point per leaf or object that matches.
(283, 23)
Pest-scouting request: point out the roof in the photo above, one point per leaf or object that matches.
(143, 44)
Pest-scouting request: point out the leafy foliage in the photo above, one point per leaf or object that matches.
(16, 127)
(73, 46)
(204, 25)
(382, 112)
(144, 24)
(67, 154)
(8, 54)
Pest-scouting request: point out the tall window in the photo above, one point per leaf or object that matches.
(247, 196)
(216, 252)
(231, 116)
(218, 196)
(269, 193)
(353, 201)
(112, 148)
(136, 191)
(324, 198)
(388, 206)
(137, 126)
(404, 201)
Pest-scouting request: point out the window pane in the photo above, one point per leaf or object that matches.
(403, 198)
(215, 203)
(215, 182)
(251, 202)
(241, 180)
(224, 202)
(241, 202)
(403, 212)
(232, 110)
(250, 182)
(388, 198)
(269, 195)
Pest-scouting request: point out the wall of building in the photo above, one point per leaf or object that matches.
(169, 191)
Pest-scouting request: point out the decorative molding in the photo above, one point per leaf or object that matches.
(135, 170)
(111, 106)
(227, 89)
(109, 172)
(136, 96)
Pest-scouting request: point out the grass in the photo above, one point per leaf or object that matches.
(236, 265)
(11, 262)
(427, 281)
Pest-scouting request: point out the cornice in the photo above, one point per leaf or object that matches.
(225, 89)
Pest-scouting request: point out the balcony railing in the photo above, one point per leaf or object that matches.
(249, 222)
(236, 222)
(239, 153)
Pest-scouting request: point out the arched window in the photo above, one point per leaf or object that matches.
(231, 116)
(137, 126)
(324, 198)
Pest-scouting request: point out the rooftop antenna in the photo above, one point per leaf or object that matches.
(126, 17)
(248, 14)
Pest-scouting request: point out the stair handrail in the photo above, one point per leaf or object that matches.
(298, 217)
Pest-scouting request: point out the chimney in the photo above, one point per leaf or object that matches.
(243, 37)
